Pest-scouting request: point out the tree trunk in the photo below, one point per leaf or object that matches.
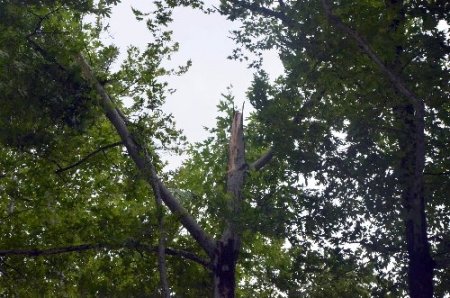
(412, 146)
(227, 248)
(225, 267)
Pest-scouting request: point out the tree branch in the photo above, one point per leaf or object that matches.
(49, 251)
(88, 156)
(364, 45)
(262, 161)
(184, 254)
(85, 247)
(144, 162)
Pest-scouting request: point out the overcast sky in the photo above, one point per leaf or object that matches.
(205, 40)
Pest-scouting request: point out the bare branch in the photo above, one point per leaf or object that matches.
(103, 148)
(144, 162)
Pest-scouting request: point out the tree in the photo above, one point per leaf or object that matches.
(376, 72)
(48, 43)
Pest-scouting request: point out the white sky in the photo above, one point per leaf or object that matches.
(205, 40)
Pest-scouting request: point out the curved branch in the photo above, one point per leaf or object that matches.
(103, 148)
(442, 263)
(364, 45)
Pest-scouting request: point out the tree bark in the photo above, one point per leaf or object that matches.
(227, 248)
(162, 267)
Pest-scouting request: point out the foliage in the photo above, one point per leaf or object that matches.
(339, 116)
(323, 218)
(46, 201)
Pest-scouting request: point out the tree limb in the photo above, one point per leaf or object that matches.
(49, 251)
(184, 254)
(85, 247)
(364, 45)
(262, 161)
(88, 156)
(144, 162)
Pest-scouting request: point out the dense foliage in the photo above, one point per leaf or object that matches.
(347, 124)
(323, 215)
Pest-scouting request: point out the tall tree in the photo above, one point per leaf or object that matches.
(376, 72)
(51, 43)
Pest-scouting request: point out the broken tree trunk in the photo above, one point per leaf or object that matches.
(227, 248)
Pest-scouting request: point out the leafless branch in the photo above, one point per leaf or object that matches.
(362, 43)
(442, 263)
(186, 255)
(101, 149)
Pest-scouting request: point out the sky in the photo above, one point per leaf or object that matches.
(204, 39)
